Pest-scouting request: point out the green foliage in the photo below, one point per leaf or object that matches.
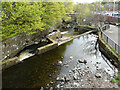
(28, 17)
(113, 80)
(83, 10)
(68, 9)
(117, 80)
(118, 77)
(86, 10)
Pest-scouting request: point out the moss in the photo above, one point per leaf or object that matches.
(84, 25)
(7, 63)
(111, 48)
(113, 80)
(117, 80)
(107, 50)
(118, 77)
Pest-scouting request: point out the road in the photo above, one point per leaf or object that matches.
(114, 33)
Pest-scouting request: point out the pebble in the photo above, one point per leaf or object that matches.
(87, 67)
(66, 65)
(97, 67)
(70, 71)
(61, 86)
(58, 86)
(61, 57)
(51, 82)
(59, 62)
(57, 78)
(76, 84)
(47, 85)
(71, 57)
(36, 42)
(98, 75)
(62, 83)
(62, 79)
(50, 75)
(82, 61)
(67, 78)
(75, 77)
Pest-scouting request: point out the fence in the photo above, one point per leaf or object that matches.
(110, 42)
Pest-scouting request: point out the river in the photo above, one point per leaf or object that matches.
(42, 70)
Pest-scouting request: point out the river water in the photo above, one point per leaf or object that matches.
(42, 70)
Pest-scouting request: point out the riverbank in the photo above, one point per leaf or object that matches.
(54, 44)
(106, 50)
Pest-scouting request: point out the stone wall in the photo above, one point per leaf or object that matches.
(13, 45)
(105, 49)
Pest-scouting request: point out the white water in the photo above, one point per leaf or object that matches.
(24, 55)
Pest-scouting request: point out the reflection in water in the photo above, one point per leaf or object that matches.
(42, 69)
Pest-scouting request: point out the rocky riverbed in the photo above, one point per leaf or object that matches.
(80, 77)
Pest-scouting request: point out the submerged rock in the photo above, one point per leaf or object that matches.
(47, 85)
(67, 78)
(66, 66)
(76, 84)
(57, 78)
(82, 61)
(75, 77)
(98, 62)
(62, 83)
(50, 75)
(70, 71)
(62, 57)
(98, 75)
(51, 82)
(58, 86)
(60, 63)
(71, 57)
(60, 79)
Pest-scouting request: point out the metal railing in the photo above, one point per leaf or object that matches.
(110, 42)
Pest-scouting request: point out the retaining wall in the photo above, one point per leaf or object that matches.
(106, 50)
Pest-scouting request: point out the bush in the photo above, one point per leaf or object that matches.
(19, 17)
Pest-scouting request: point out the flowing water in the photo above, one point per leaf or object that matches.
(42, 70)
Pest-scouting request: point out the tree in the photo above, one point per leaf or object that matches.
(28, 17)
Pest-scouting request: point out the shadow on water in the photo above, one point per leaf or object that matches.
(42, 70)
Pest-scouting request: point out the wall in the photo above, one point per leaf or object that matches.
(105, 49)
(13, 45)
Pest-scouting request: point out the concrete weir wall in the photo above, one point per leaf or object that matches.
(48, 47)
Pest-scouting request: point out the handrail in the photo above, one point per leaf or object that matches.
(113, 43)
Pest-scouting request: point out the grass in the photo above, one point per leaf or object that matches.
(111, 48)
(113, 80)
(116, 80)
(114, 51)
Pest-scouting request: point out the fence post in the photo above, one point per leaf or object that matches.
(118, 49)
(107, 39)
(101, 34)
(115, 46)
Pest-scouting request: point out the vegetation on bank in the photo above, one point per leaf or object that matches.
(116, 80)
(112, 48)
(86, 12)
(18, 17)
